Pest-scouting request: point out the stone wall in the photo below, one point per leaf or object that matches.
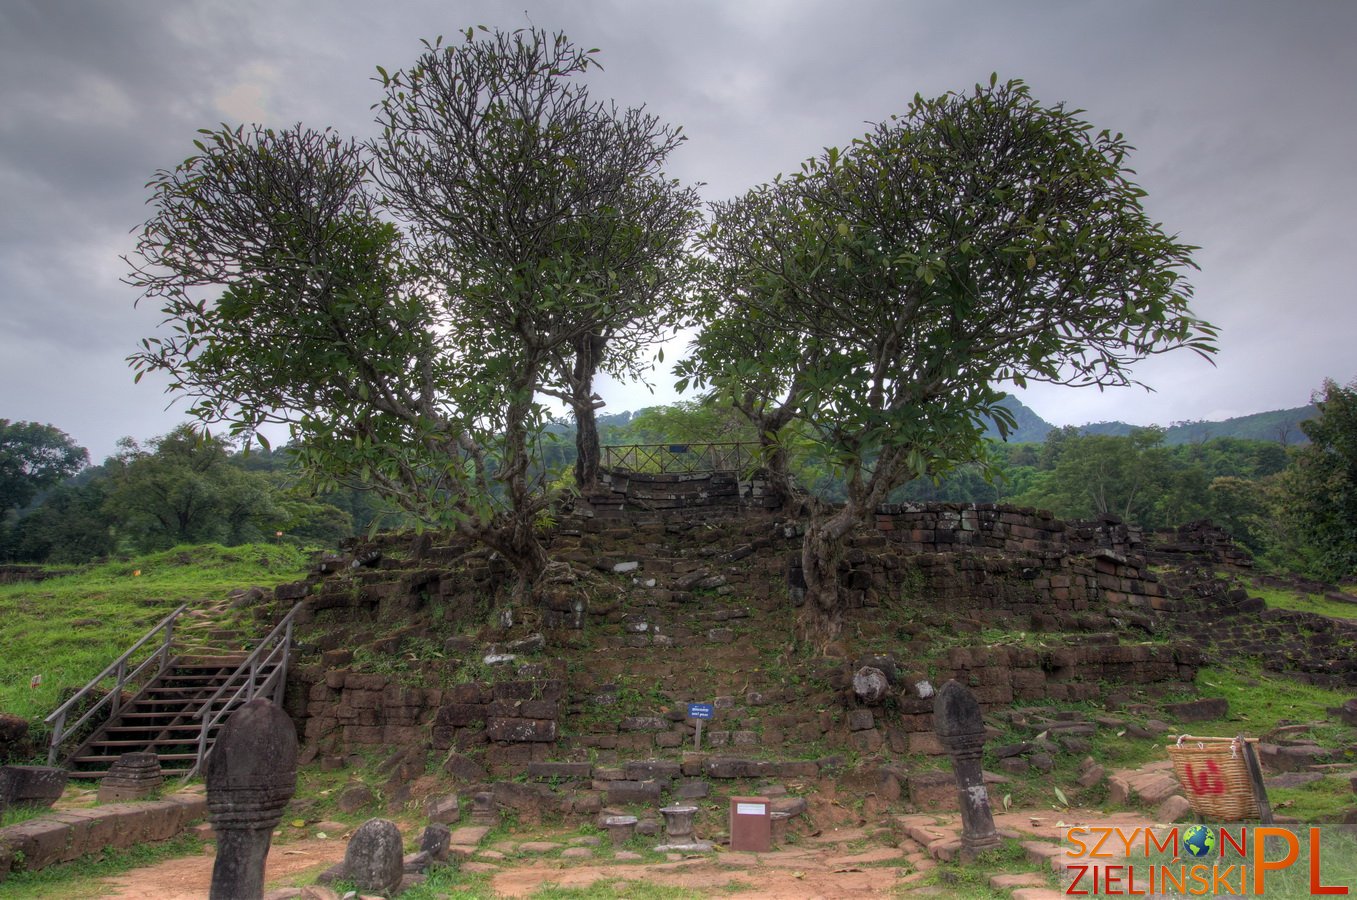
(70, 834)
(1309, 647)
(15, 573)
(16, 739)
(1196, 542)
(963, 567)
(341, 712)
(647, 595)
(624, 493)
(1011, 563)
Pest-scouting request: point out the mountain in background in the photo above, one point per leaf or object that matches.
(1282, 425)
(1031, 429)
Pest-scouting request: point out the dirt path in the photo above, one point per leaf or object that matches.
(841, 862)
(190, 877)
(792, 874)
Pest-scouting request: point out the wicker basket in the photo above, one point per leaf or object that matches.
(1215, 777)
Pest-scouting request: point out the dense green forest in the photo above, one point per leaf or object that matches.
(184, 487)
(179, 488)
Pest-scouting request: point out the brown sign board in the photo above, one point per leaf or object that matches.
(751, 824)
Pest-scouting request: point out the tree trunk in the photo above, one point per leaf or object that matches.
(777, 467)
(822, 549)
(587, 448)
(517, 539)
(588, 352)
(525, 553)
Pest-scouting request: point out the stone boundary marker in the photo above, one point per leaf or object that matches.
(69, 834)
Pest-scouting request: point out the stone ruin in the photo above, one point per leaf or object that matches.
(514, 742)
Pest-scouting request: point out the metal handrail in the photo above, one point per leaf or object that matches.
(705, 456)
(250, 684)
(113, 699)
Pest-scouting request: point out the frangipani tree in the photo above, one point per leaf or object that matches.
(542, 213)
(882, 295)
(403, 304)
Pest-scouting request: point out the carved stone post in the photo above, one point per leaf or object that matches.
(133, 777)
(678, 823)
(251, 776)
(620, 828)
(961, 730)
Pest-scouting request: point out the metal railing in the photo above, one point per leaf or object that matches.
(118, 669)
(731, 456)
(262, 672)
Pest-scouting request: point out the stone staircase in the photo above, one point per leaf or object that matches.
(167, 709)
(161, 719)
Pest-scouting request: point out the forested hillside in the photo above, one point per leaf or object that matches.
(1280, 425)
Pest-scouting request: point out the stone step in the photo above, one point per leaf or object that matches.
(1044, 854)
(1014, 881)
(469, 835)
(922, 830)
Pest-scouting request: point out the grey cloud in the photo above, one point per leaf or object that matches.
(1242, 112)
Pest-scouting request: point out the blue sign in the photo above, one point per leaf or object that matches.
(700, 710)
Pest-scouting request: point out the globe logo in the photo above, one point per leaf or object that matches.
(1199, 841)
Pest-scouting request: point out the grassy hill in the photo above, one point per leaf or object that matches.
(64, 630)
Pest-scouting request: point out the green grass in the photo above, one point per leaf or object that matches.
(1259, 701)
(16, 814)
(74, 881)
(68, 629)
(970, 881)
(1278, 598)
(1319, 801)
(449, 883)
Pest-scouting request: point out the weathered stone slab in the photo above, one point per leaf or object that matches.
(623, 792)
(734, 767)
(374, 859)
(468, 835)
(1204, 710)
(561, 770)
(42, 843)
(31, 785)
(644, 770)
(693, 789)
(521, 730)
(643, 723)
(442, 810)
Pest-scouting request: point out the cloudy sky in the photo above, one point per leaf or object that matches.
(1244, 116)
